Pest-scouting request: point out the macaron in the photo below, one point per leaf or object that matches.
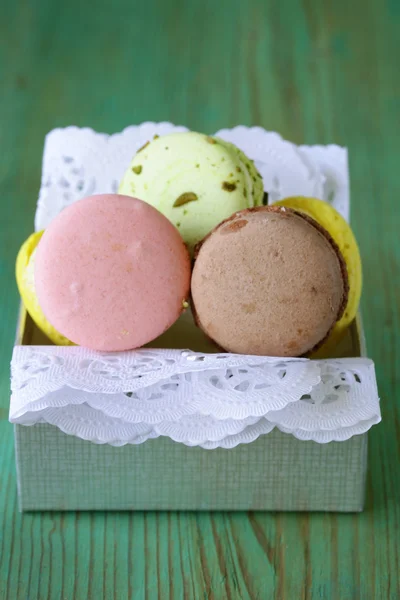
(340, 231)
(268, 281)
(24, 271)
(195, 180)
(111, 273)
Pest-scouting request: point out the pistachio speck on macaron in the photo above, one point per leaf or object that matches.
(228, 187)
(143, 147)
(185, 198)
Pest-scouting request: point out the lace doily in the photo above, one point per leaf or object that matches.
(80, 162)
(210, 400)
(197, 398)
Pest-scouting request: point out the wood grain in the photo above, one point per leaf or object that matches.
(317, 72)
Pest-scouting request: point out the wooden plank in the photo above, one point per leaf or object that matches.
(315, 71)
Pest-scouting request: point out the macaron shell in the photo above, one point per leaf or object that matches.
(268, 281)
(255, 176)
(112, 273)
(195, 180)
(24, 271)
(340, 230)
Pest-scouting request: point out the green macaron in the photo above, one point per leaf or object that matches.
(195, 180)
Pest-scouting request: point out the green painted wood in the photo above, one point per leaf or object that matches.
(315, 71)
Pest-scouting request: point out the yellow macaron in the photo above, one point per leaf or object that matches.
(24, 270)
(341, 233)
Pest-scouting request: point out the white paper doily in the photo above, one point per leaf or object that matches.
(80, 162)
(199, 399)
(209, 400)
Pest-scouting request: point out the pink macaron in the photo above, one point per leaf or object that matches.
(111, 273)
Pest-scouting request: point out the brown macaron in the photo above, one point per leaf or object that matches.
(268, 281)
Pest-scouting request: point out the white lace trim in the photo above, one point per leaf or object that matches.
(211, 400)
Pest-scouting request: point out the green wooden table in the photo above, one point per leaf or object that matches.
(317, 72)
